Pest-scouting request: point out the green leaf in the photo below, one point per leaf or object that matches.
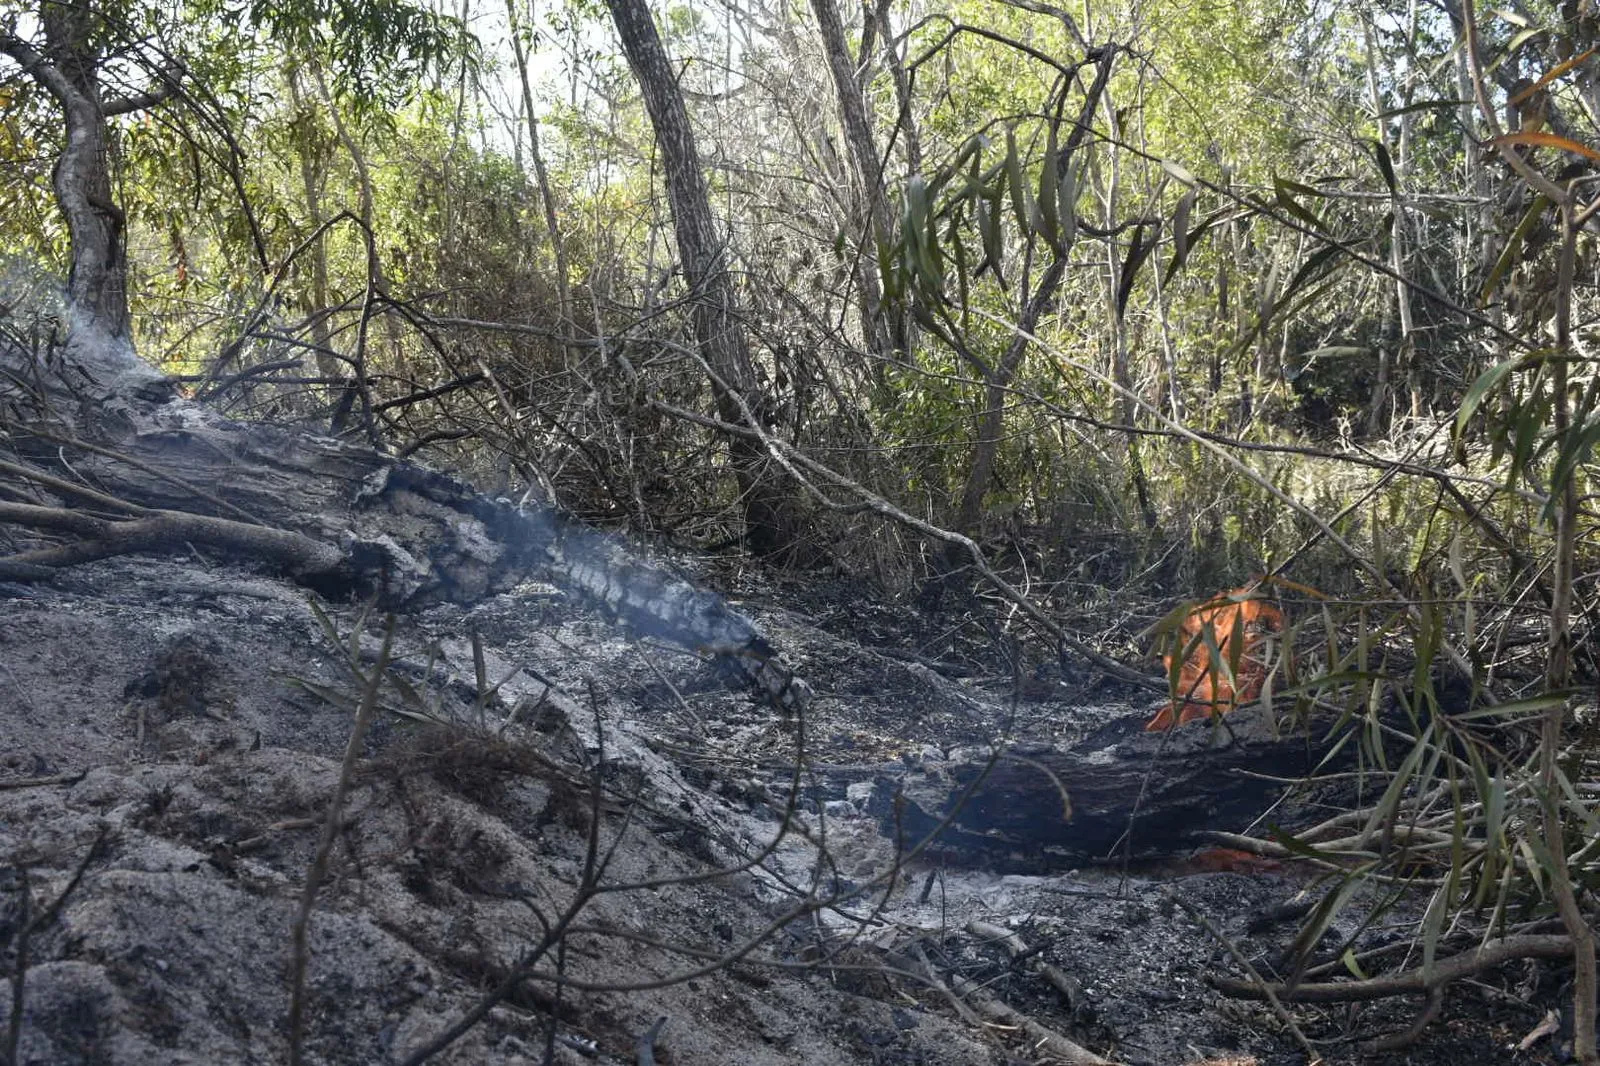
(1195, 236)
(1515, 708)
(1293, 843)
(1487, 383)
(333, 697)
(1432, 926)
(1179, 173)
(1383, 812)
(1528, 427)
(1492, 791)
(1020, 205)
(1386, 166)
(1313, 265)
(1067, 211)
(1326, 911)
(1048, 198)
(408, 692)
(958, 252)
(990, 229)
(933, 250)
(921, 239)
(1298, 188)
(1286, 200)
(889, 269)
(974, 183)
(1521, 39)
(1576, 445)
(1180, 231)
(1513, 248)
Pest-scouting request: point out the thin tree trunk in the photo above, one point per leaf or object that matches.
(902, 94)
(552, 223)
(311, 176)
(991, 423)
(869, 176)
(771, 515)
(377, 282)
(1169, 351)
(1558, 672)
(1391, 367)
(358, 159)
(1119, 279)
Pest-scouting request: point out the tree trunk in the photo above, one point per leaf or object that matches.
(69, 70)
(377, 280)
(991, 423)
(552, 223)
(869, 176)
(313, 170)
(772, 518)
(996, 391)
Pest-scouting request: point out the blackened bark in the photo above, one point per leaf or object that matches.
(342, 519)
(1119, 792)
(773, 522)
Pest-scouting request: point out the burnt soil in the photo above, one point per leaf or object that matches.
(171, 733)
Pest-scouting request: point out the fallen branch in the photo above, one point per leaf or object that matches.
(1267, 991)
(1020, 952)
(1413, 1032)
(1044, 1040)
(41, 782)
(1466, 964)
(159, 531)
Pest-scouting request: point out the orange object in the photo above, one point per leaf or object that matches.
(1205, 686)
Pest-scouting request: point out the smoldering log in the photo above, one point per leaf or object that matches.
(341, 518)
(1119, 792)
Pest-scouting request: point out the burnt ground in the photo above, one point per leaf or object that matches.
(191, 718)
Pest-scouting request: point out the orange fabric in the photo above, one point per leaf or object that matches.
(1203, 690)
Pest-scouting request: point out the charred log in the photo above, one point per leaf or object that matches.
(344, 519)
(1120, 792)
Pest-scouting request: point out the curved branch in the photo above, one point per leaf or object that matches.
(165, 88)
(34, 65)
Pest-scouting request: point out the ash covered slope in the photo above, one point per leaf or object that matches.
(202, 709)
(174, 705)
